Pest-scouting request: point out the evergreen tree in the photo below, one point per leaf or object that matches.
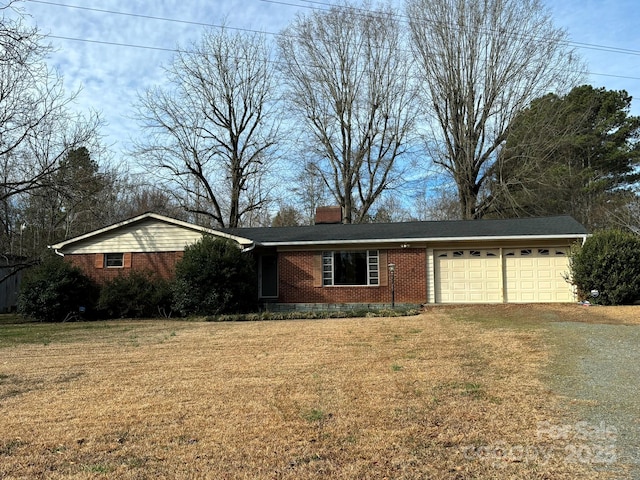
(574, 154)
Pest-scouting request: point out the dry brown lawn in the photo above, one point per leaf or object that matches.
(431, 396)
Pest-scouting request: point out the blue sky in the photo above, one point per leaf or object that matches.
(111, 76)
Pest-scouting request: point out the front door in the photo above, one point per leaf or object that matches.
(268, 276)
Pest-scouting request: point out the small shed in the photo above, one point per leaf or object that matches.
(11, 270)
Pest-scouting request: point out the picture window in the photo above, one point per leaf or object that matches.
(350, 268)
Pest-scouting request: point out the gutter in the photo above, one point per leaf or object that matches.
(426, 240)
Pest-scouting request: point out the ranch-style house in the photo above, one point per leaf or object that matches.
(327, 264)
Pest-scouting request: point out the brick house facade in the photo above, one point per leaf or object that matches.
(518, 260)
(297, 283)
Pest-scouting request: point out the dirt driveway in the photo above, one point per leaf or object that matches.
(596, 367)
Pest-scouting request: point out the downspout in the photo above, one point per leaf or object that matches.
(249, 248)
(56, 251)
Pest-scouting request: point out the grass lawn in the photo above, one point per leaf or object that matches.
(452, 393)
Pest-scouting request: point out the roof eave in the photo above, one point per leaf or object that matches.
(422, 240)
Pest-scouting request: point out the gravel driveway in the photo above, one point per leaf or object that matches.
(597, 369)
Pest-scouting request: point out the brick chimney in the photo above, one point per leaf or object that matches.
(328, 215)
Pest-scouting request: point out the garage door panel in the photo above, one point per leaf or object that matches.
(538, 276)
(468, 276)
(527, 297)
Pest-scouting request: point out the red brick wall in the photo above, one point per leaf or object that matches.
(296, 276)
(161, 263)
(328, 215)
(411, 274)
(296, 280)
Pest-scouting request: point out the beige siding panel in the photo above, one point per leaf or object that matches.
(431, 281)
(149, 236)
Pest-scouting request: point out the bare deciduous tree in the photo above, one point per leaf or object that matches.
(37, 127)
(627, 216)
(482, 62)
(309, 191)
(213, 130)
(349, 84)
(437, 203)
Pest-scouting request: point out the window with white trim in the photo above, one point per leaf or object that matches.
(350, 267)
(114, 260)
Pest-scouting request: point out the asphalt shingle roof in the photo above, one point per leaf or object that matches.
(518, 227)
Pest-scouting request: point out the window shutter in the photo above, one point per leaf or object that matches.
(126, 260)
(384, 268)
(317, 269)
(99, 260)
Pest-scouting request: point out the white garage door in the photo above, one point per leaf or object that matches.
(537, 275)
(468, 276)
(477, 276)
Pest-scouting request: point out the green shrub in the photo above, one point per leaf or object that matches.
(609, 262)
(135, 295)
(214, 277)
(56, 291)
(310, 314)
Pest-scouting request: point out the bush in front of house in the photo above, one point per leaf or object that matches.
(135, 295)
(214, 277)
(609, 262)
(312, 314)
(56, 291)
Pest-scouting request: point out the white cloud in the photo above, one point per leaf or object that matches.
(111, 76)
